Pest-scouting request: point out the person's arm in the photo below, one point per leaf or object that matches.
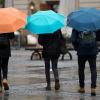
(11, 35)
(40, 40)
(74, 39)
(98, 35)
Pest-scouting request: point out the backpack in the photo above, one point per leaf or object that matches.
(87, 39)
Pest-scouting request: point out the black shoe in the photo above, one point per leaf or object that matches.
(93, 92)
(48, 88)
(57, 86)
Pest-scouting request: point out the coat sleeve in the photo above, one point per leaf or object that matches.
(74, 39)
(40, 40)
(11, 35)
(98, 35)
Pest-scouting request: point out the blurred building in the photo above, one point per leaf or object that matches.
(63, 6)
(39, 4)
(20, 4)
(23, 4)
(69, 5)
(89, 3)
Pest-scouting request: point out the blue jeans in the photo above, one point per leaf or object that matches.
(81, 66)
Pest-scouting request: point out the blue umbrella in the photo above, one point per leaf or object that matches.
(44, 22)
(85, 19)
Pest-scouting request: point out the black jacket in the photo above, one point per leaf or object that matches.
(98, 35)
(51, 44)
(5, 51)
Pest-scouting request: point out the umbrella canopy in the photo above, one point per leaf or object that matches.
(85, 19)
(44, 22)
(11, 20)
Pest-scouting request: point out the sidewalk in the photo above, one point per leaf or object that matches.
(27, 79)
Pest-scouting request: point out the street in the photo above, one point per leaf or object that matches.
(27, 79)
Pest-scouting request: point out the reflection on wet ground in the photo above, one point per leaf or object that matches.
(27, 80)
(27, 97)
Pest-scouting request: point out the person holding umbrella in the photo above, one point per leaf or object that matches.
(12, 20)
(49, 33)
(85, 23)
(51, 52)
(87, 50)
(5, 53)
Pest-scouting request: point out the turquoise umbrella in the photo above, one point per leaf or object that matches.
(44, 22)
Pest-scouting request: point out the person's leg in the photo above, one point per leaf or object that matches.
(4, 66)
(55, 71)
(81, 67)
(47, 73)
(92, 63)
(0, 77)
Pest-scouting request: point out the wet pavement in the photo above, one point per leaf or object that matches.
(27, 79)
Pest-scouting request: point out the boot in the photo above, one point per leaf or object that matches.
(47, 73)
(48, 87)
(81, 90)
(57, 85)
(0, 89)
(5, 84)
(93, 92)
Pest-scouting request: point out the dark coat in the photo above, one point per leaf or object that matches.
(98, 35)
(51, 44)
(6, 51)
(79, 48)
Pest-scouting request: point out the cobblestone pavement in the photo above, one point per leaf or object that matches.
(27, 79)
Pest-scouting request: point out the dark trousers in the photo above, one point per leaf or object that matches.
(3, 68)
(92, 63)
(54, 62)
